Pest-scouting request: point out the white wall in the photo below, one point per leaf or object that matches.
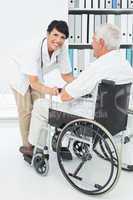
(21, 20)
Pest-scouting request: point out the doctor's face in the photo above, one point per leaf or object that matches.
(55, 40)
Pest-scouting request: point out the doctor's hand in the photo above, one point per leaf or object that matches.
(53, 91)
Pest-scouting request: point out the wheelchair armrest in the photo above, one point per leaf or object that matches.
(108, 82)
(130, 111)
(104, 81)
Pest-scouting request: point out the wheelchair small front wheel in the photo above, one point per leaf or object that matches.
(41, 164)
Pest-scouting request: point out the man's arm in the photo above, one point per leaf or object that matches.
(80, 86)
(67, 77)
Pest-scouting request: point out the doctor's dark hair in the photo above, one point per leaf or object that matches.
(60, 26)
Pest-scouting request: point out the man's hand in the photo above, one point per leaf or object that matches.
(64, 96)
(52, 91)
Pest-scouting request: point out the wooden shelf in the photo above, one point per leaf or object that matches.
(77, 11)
(89, 46)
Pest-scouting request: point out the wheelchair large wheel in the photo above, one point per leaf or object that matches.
(87, 171)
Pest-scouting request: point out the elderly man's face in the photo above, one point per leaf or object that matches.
(96, 46)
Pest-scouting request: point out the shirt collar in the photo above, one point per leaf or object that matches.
(109, 56)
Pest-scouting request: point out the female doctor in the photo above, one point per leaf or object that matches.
(51, 54)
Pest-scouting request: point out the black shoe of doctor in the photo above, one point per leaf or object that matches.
(26, 150)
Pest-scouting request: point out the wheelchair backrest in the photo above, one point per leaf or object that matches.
(112, 103)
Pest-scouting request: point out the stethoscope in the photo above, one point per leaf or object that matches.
(42, 52)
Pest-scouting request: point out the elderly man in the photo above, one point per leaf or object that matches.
(109, 65)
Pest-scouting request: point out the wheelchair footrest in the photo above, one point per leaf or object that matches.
(130, 167)
(66, 154)
(98, 186)
(27, 158)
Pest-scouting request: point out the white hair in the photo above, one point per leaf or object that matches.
(111, 35)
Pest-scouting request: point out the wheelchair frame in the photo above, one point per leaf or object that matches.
(88, 141)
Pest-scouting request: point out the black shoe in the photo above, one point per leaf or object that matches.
(26, 150)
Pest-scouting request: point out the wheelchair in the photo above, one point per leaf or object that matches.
(87, 153)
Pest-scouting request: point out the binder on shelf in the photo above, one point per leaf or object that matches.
(75, 66)
(111, 19)
(132, 56)
(70, 51)
(76, 3)
(88, 4)
(71, 23)
(86, 58)
(124, 29)
(81, 60)
(101, 4)
(129, 55)
(90, 28)
(92, 57)
(108, 4)
(119, 3)
(114, 3)
(130, 29)
(97, 22)
(81, 4)
(103, 19)
(78, 26)
(70, 4)
(95, 4)
(124, 3)
(130, 3)
(75, 71)
(84, 28)
(118, 21)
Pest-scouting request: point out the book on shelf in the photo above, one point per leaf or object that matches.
(78, 27)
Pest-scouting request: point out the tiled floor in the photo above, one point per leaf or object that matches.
(19, 181)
